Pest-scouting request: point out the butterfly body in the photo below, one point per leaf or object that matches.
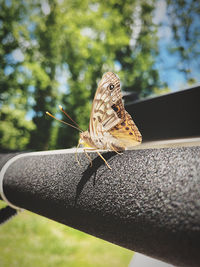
(111, 127)
(104, 141)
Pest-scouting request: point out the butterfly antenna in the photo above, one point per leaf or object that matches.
(63, 122)
(61, 108)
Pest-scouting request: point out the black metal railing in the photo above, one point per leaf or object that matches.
(148, 202)
(175, 115)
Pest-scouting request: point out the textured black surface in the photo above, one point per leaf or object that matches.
(149, 202)
(5, 157)
(6, 214)
(174, 115)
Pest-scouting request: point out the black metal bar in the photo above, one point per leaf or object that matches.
(6, 213)
(148, 202)
(175, 115)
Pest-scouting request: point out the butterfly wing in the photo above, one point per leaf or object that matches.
(109, 120)
(107, 108)
(126, 132)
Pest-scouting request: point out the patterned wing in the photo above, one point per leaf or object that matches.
(107, 108)
(126, 132)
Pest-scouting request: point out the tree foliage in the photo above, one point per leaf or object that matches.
(14, 130)
(42, 41)
(14, 127)
(102, 36)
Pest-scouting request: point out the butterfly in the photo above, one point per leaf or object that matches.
(111, 126)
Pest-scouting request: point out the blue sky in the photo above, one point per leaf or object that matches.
(167, 62)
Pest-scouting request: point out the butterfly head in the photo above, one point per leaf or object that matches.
(85, 140)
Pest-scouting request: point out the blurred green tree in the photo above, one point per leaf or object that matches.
(101, 36)
(14, 128)
(43, 60)
(44, 41)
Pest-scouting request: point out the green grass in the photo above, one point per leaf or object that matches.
(31, 240)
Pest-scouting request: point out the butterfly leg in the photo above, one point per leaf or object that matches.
(104, 160)
(76, 154)
(85, 151)
(119, 153)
